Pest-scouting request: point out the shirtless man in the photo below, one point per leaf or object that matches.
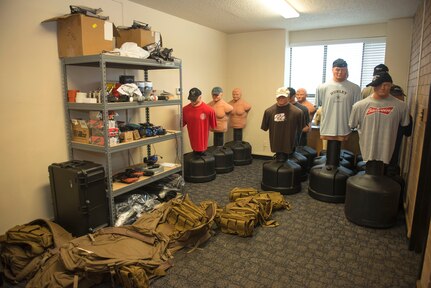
(301, 97)
(238, 117)
(222, 109)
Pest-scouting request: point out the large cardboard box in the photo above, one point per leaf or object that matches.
(141, 37)
(79, 35)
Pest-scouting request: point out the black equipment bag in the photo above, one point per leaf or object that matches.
(78, 190)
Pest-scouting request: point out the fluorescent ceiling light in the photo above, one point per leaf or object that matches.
(281, 7)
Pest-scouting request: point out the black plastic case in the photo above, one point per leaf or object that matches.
(78, 191)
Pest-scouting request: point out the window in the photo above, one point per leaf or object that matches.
(312, 65)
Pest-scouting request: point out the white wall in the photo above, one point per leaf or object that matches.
(32, 113)
(256, 63)
(398, 47)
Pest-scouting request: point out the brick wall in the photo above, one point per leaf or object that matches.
(418, 97)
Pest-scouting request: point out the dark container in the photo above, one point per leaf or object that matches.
(302, 161)
(223, 155)
(241, 149)
(78, 190)
(241, 152)
(199, 167)
(328, 181)
(283, 177)
(224, 159)
(372, 199)
(360, 166)
(347, 158)
(309, 153)
(320, 160)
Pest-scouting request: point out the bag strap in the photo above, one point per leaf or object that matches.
(75, 281)
(33, 265)
(127, 232)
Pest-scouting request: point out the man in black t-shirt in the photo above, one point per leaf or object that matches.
(301, 136)
(283, 120)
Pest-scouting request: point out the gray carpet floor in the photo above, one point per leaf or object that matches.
(314, 246)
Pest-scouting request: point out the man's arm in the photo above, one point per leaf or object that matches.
(184, 117)
(265, 122)
(306, 121)
(354, 117)
(318, 97)
(357, 96)
(212, 118)
(406, 122)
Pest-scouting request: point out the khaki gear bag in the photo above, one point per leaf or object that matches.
(128, 257)
(120, 252)
(239, 192)
(277, 200)
(25, 248)
(185, 223)
(238, 223)
(185, 215)
(241, 216)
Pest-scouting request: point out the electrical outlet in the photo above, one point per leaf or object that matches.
(178, 91)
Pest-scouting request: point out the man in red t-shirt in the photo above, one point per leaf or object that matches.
(199, 118)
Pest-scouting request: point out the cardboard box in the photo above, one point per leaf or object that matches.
(141, 37)
(136, 135)
(126, 136)
(80, 131)
(79, 35)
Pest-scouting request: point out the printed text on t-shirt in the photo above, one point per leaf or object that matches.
(383, 110)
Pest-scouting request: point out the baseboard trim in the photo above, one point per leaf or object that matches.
(262, 157)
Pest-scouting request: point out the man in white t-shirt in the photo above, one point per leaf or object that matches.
(377, 118)
(336, 97)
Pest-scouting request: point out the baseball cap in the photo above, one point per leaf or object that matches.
(380, 78)
(292, 92)
(397, 91)
(194, 94)
(380, 68)
(282, 92)
(339, 63)
(216, 91)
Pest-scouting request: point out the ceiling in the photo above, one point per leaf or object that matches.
(236, 16)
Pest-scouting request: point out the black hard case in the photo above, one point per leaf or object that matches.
(78, 191)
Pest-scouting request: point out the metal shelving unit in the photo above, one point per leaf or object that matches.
(104, 62)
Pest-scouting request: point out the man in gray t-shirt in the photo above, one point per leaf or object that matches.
(377, 118)
(336, 97)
